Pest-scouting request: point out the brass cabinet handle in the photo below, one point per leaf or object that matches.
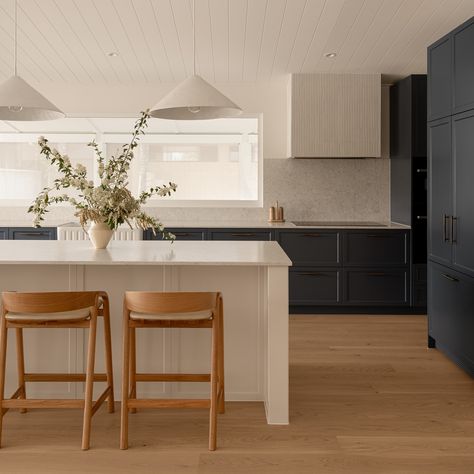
(243, 234)
(311, 235)
(449, 277)
(182, 234)
(454, 230)
(446, 226)
(378, 236)
(376, 274)
(310, 274)
(31, 234)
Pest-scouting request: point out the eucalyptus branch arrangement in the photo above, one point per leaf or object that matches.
(109, 202)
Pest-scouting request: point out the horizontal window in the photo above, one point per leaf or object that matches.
(213, 162)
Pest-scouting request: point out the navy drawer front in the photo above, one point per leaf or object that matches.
(313, 286)
(4, 233)
(376, 248)
(311, 248)
(375, 286)
(180, 234)
(30, 233)
(240, 234)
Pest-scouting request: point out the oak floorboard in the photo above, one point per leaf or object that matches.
(367, 397)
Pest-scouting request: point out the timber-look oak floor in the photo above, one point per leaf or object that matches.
(366, 397)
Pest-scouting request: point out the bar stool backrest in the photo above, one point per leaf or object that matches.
(153, 302)
(49, 302)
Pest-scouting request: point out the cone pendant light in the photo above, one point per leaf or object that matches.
(19, 101)
(194, 98)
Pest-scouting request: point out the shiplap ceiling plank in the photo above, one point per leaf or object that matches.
(375, 33)
(105, 43)
(158, 53)
(136, 37)
(170, 37)
(77, 38)
(108, 11)
(219, 11)
(29, 50)
(329, 16)
(204, 44)
(237, 20)
(290, 27)
(397, 29)
(52, 36)
(346, 19)
(182, 16)
(27, 62)
(356, 35)
(68, 41)
(256, 12)
(312, 12)
(271, 34)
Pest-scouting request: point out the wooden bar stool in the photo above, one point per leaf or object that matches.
(172, 310)
(56, 310)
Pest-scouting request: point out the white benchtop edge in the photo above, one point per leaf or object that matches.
(224, 253)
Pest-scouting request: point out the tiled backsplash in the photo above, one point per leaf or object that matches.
(322, 189)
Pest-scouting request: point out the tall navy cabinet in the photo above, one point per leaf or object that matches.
(408, 173)
(451, 195)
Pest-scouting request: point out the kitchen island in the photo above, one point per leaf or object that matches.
(253, 277)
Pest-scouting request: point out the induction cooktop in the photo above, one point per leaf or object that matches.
(338, 224)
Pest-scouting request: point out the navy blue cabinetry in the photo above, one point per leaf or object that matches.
(440, 78)
(3, 233)
(440, 194)
(463, 67)
(31, 233)
(376, 248)
(315, 286)
(451, 73)
(451, 322)
(311, 247)
(451, 194)
(375, 286)
(463, 216)
(240, 234)
(180, 234)
(347, 268)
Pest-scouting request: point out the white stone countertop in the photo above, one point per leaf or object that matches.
(279, 225)
(225, 253)
(228, 224)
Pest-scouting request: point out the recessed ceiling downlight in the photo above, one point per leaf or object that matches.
(330, 55)
(113, 54)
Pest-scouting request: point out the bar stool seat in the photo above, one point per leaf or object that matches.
(65, 310)
(172, 310)
(75, 315)
(190, 316)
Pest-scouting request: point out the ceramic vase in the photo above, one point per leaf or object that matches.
(100, 234)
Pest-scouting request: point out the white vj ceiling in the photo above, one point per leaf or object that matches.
(69, 41)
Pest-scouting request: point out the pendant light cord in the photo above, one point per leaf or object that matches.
(194, 37)
(15, 54)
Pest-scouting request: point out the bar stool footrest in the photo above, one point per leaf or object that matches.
(173, 377)
(56, 377)
(168, 403)
(43, 403)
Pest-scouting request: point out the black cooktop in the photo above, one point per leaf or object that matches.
(338, 224)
